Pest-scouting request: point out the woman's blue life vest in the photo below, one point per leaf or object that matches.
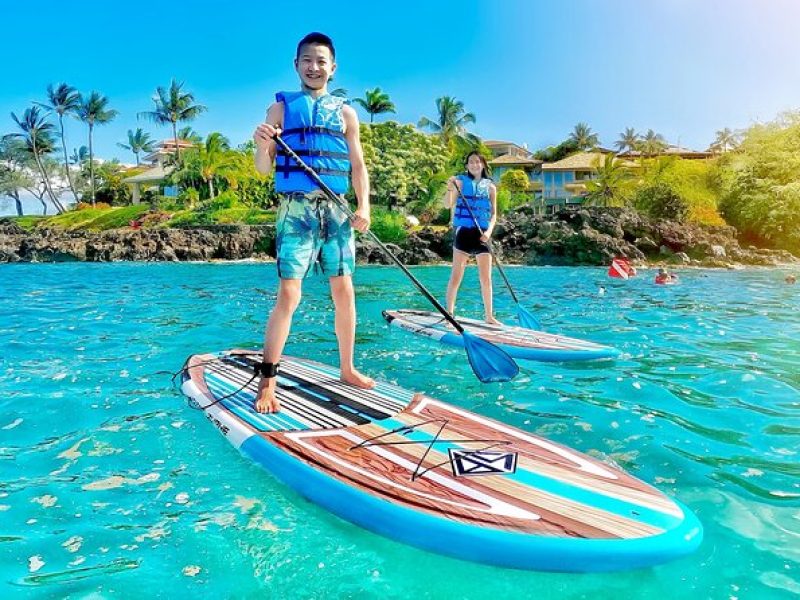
(476, 192)
(314, 129)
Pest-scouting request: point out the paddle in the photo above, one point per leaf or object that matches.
(489, 362)
(524, 316)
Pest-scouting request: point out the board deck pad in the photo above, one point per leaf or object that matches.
(439, 476)
(517, 341)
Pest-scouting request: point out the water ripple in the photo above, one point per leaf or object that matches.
(107, 478)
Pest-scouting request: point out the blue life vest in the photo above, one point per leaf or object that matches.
(477, 194)
(314, 129)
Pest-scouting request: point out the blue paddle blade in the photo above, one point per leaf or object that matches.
(490, 363)
(527, 320)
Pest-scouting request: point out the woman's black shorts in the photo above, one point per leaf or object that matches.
(468, 240)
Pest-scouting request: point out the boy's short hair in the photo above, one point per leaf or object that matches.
(315, 37)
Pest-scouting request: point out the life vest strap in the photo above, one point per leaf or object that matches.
(463, 212)
(320, 153)
(306, 130)
(286, 169)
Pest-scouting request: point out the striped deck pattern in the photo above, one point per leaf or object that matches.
(517, 341)
(428, 456)
(311, 395)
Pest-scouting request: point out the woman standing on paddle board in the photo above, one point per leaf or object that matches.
(471, 238)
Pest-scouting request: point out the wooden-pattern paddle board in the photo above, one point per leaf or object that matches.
(438, 476)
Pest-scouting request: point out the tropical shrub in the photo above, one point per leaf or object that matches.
(400, 161)
(515, 180)
(390, 227)
(694, 181)
(110, 188)
(760, 184)
(188, 198)
(660, 201)
(513, 190)
(227, 199)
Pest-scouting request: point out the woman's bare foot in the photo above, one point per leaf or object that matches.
(358, 379)
(492, 321)
(266, 402)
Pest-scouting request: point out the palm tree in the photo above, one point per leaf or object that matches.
(189, 134)
(652, 143)
(341, 92)
(606, 188)
(173, 105)
(94, 111)
(213, 159)
(79, 155)
(583, 137)
(451, 120)
(628, 140)
(138, 141)
(63, 99)
(209, 161)
(725, 139)
(376, 102)
(37, 134)
(428, 202)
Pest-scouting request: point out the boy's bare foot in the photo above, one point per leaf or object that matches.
(358, 379)
(493, 321)
(266, 402)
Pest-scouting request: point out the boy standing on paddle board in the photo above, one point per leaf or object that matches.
(323, 130)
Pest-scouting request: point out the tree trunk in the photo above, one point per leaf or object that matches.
(41, 199)
(56, 202)
(136, 154)
(18, 202)
(91, 160)
(210, 182)
(66, 158)
(177, 147)
(43, 173)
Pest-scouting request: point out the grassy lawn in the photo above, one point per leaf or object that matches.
(243, 214)
(115, 217)
(101, 219)
(238, 214)
(93, 219)
(388, 226)
(28, 222)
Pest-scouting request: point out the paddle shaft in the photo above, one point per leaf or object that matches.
(488, 244)
(342, 204)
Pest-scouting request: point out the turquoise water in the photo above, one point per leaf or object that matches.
(111, 487)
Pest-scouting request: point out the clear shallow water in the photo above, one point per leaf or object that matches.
(110, 486)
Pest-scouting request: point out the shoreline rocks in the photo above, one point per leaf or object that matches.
(582, 236)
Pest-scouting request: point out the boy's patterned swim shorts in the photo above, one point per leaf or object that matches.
(311, 230)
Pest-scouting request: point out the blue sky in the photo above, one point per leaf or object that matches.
(528, 70)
